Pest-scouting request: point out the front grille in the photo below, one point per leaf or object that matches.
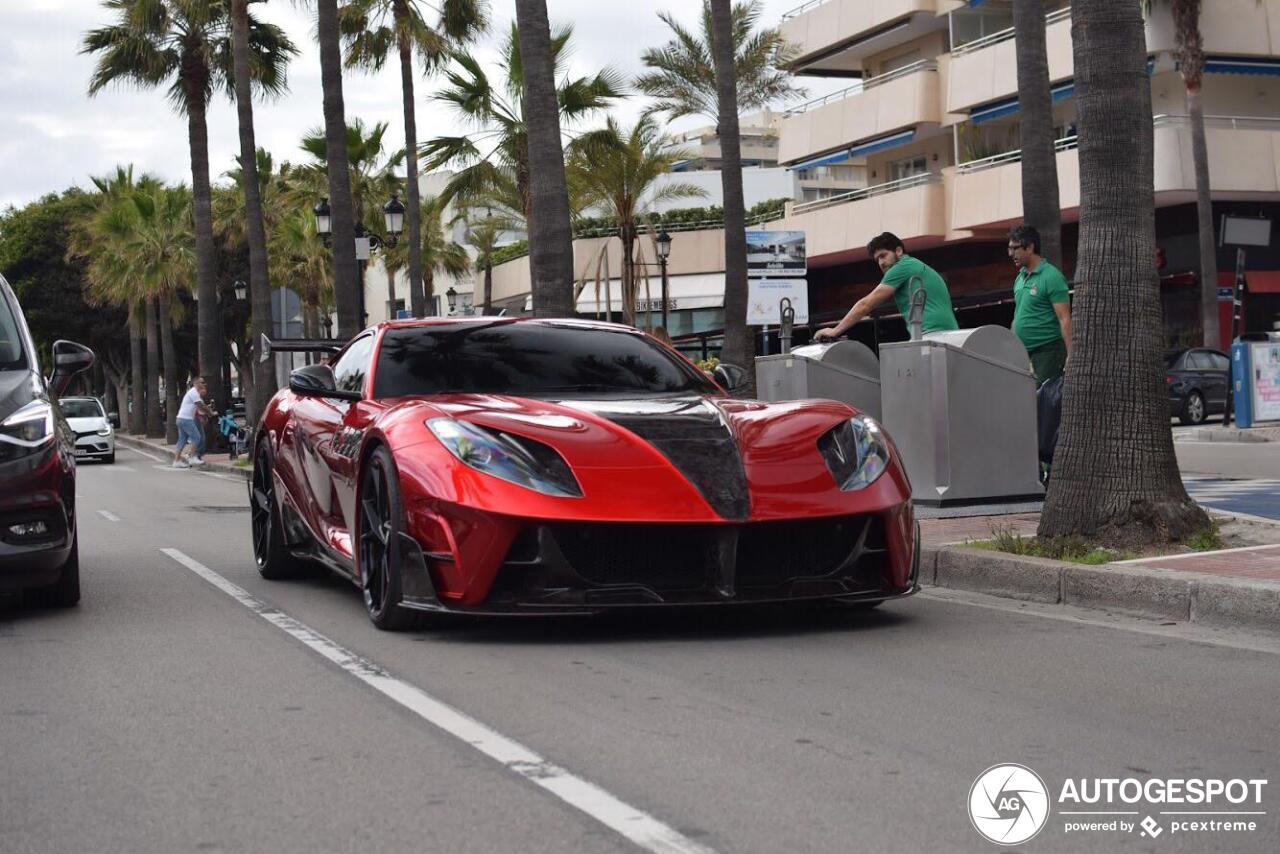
(850, 550)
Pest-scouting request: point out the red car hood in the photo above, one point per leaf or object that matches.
(689, 458)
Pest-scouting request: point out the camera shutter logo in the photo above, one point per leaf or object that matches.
(1008, 804)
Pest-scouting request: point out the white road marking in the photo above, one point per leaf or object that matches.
(108, 515)
(220, 476)
(641, 828)
(151, 457)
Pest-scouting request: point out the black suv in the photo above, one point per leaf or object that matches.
(38, 545)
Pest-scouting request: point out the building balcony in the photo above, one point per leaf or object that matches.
(902, 99)
(986, 70)
(838, 228)
(1231, 27)
(1244, 164)
(835, 36)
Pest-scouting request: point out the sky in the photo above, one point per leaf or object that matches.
(53, 135)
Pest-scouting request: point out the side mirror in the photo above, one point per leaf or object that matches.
(318, 381)
(731, 378)
(69, 359)
(114, 419)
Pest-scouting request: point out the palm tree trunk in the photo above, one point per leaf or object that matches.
(170, 358)
(155, 420)
(264, 379)
(429, 286)
(1040, 204)
(391, 294)
(208, 311)
(1204, 211)
(628, 275)
(739, 339)
(550, 236)
(1115, 476)
(136, 417)
(413, 206)
(488, 286)
(346, 275)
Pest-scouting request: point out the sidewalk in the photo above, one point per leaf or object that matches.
(1235, 588)
(1219, 433)
(220, 463)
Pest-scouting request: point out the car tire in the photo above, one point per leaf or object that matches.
(270, 551)
(65, 592)
(379, 523)
(1194, 410)
(109, 458)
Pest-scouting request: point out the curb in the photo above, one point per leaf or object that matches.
(1221, 434)
(146, 445)
(1147, 592)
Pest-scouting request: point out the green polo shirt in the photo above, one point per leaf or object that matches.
(1034, 296)
(938, 316)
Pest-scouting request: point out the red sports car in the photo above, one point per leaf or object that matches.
(519, 465)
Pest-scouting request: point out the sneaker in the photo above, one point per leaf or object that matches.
(197, 461)
(181, 464)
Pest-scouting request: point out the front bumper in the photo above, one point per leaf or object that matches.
(594, 567)
(93, 445)
(34, 489)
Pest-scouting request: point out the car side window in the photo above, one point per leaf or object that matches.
(1197, 362)
(1220, 362)
(352, 367)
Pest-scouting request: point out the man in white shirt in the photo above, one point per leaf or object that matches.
(189, 430)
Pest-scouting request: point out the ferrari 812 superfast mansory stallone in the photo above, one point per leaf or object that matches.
(522, 466)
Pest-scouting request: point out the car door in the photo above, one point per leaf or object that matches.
(321, 458)
(1220, 367)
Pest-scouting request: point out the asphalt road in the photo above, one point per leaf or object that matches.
(165, 715)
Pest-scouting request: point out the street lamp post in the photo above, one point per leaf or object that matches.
(451, 296)
(393, 219)
(664, 252)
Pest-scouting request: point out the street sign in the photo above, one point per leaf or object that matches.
(364, 247)
(776, 253)
(1226, 294)
(765, 295)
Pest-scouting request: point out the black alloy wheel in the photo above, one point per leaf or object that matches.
(1194, 410)
(381, 521)
(269, 549)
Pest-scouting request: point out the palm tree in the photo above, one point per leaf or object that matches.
(347, 280)
(683, 77)
(618, 171)
(372, 28)
(483, 235)
(304, 264)
(739, 342)
(1040, 204)
(493, 159)
(264, 375)
(187, 43)
(1115, 474)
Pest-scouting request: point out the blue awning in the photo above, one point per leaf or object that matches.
(973, 4)
(1010, 106)
(824, 160)
(1240, 65)
(883, 143)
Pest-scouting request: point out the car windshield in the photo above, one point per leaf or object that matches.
(530, 359)
(12, 356)
(74, 408)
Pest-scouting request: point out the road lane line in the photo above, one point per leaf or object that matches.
(151, 457)
(636, 825)
(108, 515)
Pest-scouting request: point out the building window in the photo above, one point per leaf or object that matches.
(908, 168)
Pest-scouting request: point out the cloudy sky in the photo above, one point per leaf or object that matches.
(52, 135)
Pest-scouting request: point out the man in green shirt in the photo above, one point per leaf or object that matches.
(903, 275)
(1042, 306)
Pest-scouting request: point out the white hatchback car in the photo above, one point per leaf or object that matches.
(95, 435)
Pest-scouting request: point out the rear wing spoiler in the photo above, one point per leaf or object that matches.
(268, 346)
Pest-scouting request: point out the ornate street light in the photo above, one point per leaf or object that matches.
(664, 252)
(242, 290)
(393, 216)
(452, 296)
(324, 218)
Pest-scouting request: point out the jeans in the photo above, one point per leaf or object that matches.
(189, 431)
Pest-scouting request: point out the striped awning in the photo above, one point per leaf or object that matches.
(1240, 65)
(825, 160)
(1010, 106)
(883, 143)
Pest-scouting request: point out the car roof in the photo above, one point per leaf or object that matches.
(428, 322)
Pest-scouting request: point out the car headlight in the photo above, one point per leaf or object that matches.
(30, 427)
(105, 431)
(856, 452)
(515, 459)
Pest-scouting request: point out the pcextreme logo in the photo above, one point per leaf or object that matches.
(1009, 804)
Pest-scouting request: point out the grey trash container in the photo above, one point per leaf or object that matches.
(846, 371)
(961, 408)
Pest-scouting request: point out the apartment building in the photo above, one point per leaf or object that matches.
(932, 116)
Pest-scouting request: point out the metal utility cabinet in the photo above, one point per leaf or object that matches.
(961, 408)
(846, 371)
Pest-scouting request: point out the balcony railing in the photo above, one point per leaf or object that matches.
(1005, 35)
(869, 192)
(1065, 144)
(1232, 122)
(859, 88)
(802, 8)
